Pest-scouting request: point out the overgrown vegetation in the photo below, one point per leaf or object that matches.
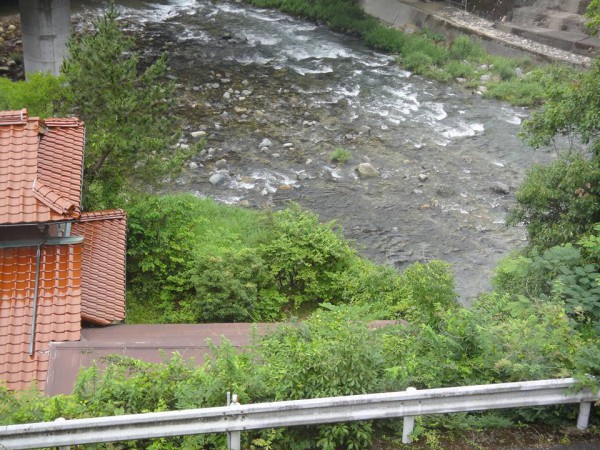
(191, 260)
(335, 353)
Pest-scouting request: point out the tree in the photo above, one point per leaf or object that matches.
(127, 110)
(561, 202)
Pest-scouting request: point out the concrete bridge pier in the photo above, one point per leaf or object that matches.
(45, 27)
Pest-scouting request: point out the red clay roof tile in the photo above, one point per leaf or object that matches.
(58, 316)
(103, 284)
(41, 165)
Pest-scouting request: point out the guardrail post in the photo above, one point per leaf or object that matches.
(584, 415)
(234, 438)
(63, 447)
(409, 424)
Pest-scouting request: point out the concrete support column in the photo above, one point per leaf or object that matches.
(45, 25)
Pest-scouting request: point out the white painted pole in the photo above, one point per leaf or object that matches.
(584, 415)
(409, 424)
(234, 438)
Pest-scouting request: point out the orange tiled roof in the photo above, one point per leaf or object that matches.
(103, 284)
(41, 163)
(58, 309)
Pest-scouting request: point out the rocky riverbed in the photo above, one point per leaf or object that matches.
(433, 168)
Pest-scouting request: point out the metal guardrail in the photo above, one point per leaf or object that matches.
(236, 418)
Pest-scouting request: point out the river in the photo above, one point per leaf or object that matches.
(248, 76)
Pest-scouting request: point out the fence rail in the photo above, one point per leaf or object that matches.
(236, 418)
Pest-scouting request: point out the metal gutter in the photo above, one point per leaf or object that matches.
(35, 296)
(47, 241)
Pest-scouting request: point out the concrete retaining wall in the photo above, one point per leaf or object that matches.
(402, 13)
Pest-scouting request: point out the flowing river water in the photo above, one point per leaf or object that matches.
(274, 96)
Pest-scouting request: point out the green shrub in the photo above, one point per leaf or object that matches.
(340, 155)
(463, 47)
(384, 38)
(227, 286)
(42, 94)
(560, 202)
(460, 69)
(161, 242)
(429, 290)
(331, 354)
(418, 62)
(304, 255)
(520, 92)
(521, 339)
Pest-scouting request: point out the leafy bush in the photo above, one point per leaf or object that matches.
(460, 69)
(161, 243)
(560, 202)
(42, 94)
(331, 354)
(228, 286)
(520, 92)
(428, 292)
(463, 47)
(417, 62)
(304, 255)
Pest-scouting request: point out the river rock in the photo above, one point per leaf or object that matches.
(4, 69)
(244, 204)
(288, 145)
(265, 143)
(246, 93)
(193, 165)
(485, 78)
(423, 177)
(518, 72)
(221, 163)
(366, 170)
(226, 96)
(217, 179)
(11, 27)
(197, 134)
(500, 188)
(482, 89)
(444, 190)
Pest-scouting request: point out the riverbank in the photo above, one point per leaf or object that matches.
(441, 18)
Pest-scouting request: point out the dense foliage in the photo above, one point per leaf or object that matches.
(129, 123)
(333, 353)
(192, 260)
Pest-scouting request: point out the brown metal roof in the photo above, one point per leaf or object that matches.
(58, 310)
(152, 343)
(41, 165)
(103, 284)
